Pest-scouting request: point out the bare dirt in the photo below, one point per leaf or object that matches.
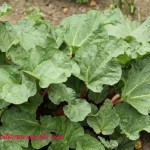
(56, 10)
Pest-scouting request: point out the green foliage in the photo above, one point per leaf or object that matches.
(5, 10)
(61, 80)
(82, 1)
(129, 5)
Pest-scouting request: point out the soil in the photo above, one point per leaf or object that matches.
(56, 10)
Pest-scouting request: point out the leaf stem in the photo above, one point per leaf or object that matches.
(116, 99)
(84, 92)
(45, 91)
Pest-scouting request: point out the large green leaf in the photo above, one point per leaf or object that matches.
(32, 104)
(30, 34)
(48, 65)
(136, 91)
(71, 132)
(87, 142)
(105, 121)
(25, 124)
(76, 34)
(131, 121)
(142, 33)
(39, 58)
(77, 110)
(7, 36)
(12, 144)
(60, 92)
(126, 28)
(13, 90)
(98, 97)
(97, 64)
(56, 70)
(123, 28)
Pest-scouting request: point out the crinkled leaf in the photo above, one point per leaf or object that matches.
(138, 49)
(32, 105)
(60, 92)
(106, 119)
(13, 90)
(134, 51)
(25, 124)
(123, 28)
(31, 35)
(97, 64)
(45, 64)
(112, 144)
(142, 33)
(30, 59)
(7, 36)
(77, 110)
(56, 70)
(126, 28)
(87, 142)
(131, 121)
(136, 91)
(12, 144)
(70, 130)
(76, 34)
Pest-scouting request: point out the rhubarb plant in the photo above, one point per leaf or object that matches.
(87, 80)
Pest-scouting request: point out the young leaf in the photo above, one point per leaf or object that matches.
(112, 144)
(60, 92)
(105, 121)
(77, 110)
